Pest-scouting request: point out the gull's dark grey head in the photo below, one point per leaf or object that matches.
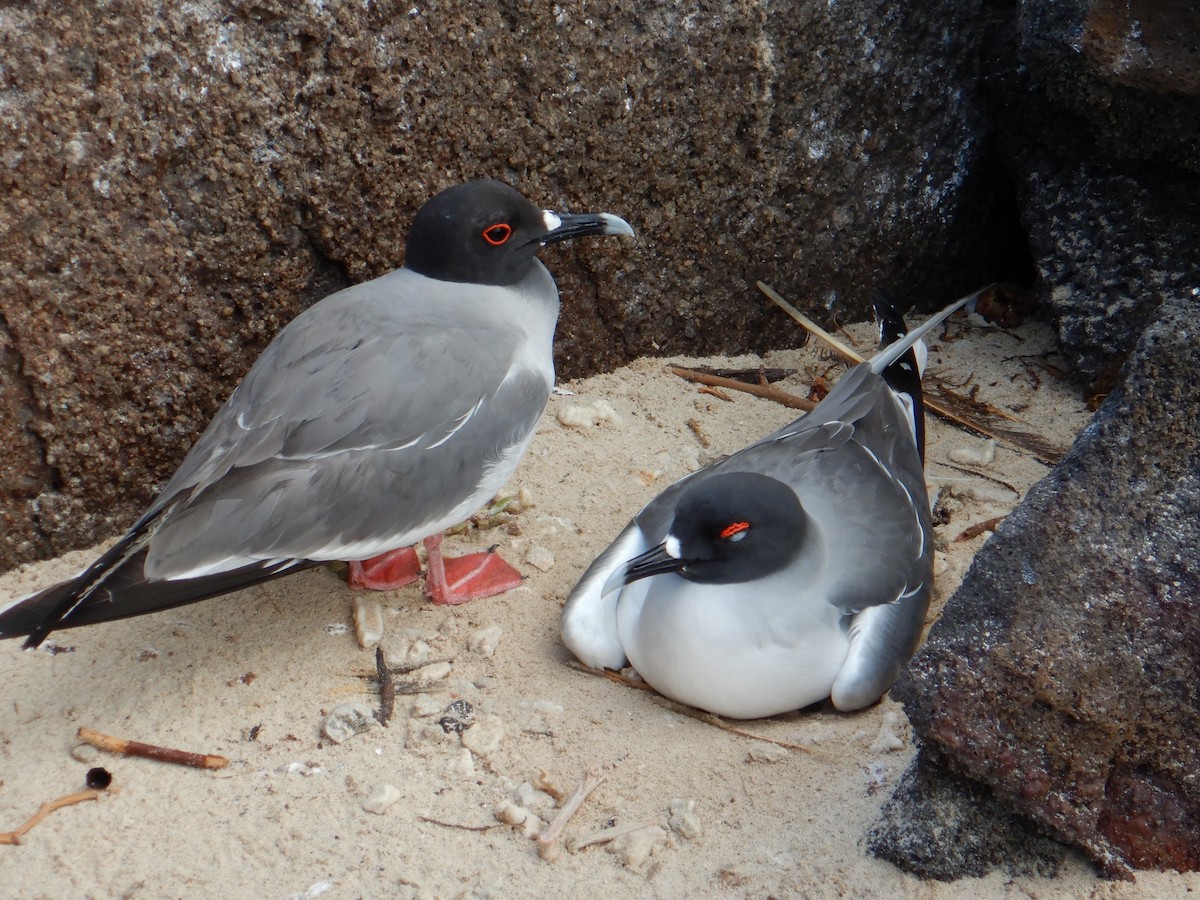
(485, 232)
(728, 528)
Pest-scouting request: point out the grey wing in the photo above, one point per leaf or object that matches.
(345, 439)
(854, 465)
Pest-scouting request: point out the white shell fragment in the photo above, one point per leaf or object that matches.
(485, 736)
(346, 720)
(682, 819)
(484, 641)
(383, 798)
(588, 415)
(540, 558)
(368, 621)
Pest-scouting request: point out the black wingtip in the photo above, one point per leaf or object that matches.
(904, 375)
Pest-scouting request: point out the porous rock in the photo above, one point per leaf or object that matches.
(1061, 675)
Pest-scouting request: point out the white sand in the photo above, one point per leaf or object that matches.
(287, 817)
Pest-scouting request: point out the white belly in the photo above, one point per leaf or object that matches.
(728, 648)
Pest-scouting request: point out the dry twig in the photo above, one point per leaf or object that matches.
(979, 528)
(766, 391)
(14, 837)
(387, 689)
(151, 751)
(609, 834)
(547, 841)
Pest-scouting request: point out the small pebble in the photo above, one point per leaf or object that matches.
(84, 753)
(425, 705)
(484, 641)
(768, 753)
(588, 415)
(540, 558)
(383, 798)
(485, 736)
(977, 454)
(682, 819)
(346, 720)
(635, 848)
(888, 740)
(368, 620)
(517, 816)
(430, 673)
(462, 765)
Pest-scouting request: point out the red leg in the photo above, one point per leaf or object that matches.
(462, 578)
(387, 571)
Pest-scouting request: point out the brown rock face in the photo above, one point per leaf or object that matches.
(1062, 674)
(179, 180)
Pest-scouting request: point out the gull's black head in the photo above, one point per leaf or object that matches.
(484, 232)
(728, 528)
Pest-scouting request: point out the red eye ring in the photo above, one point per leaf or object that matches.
(734, 528)
(497, 234)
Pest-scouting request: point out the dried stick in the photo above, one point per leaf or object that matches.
(14, 836)
(809, 325)
(766, 391)
(151, 751)
(611, 834)
(387, 689)
(546, 841)
(456, 825)
(1024, 443)
(717, 722)
(979, 528)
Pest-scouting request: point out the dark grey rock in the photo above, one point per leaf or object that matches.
(1062, 674)
(1097, 109)
(179, 180)
(940, 825)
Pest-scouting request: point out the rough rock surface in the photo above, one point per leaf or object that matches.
(179, 180)
(1097, 107)
(1062, 673)
(940, 825)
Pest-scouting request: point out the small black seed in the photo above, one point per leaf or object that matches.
(98, 778)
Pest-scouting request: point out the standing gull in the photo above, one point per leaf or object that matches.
(798, 568)
(376, 419)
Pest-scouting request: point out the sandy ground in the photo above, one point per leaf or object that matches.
(704, 811)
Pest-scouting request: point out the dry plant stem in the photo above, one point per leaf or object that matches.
(766, 391)
(545, 841)
(717, 722)
(1009, 438)
(808, 324)
(151, 751)
(387, 689)
(14, 836)
(457, 825)
(603, 837)
(979, 528)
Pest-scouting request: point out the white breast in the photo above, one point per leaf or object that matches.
(744, 650)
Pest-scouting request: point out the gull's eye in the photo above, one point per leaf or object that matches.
(497, 234)
(735, 531)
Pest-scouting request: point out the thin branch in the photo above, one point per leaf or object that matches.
(609, 834)
(547, 840)
(766, 391)
(151, 751)
(14, 836)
